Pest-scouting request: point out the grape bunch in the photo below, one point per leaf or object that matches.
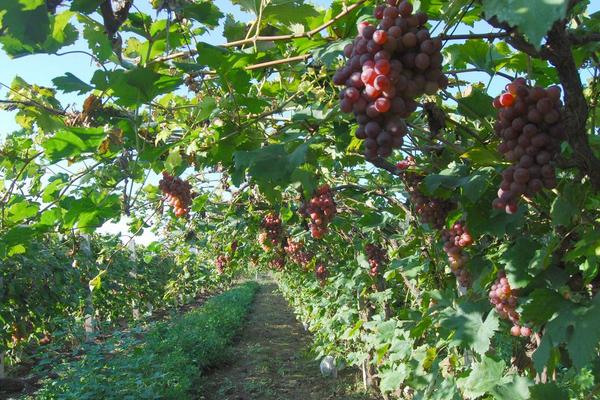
(297, 253)
(406, 163)
(377, 257)
(529, 124)
(388, 67)
(271, 232)
(221, 261)
(178, 193)
(455, 240)
(505, 300)
(321, 209)
(431, 211)
(321, 272)
(278, 262)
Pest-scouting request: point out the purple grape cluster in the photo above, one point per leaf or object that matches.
(388, 67)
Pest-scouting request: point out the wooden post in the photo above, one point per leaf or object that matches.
(2, 373)
(88, 323)
(133, 257)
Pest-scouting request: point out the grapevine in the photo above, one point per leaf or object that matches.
(529, 124)
(455, 240)
(377, 257)
(388, 67)
(504, 298)
(320, 209)
(178, 193)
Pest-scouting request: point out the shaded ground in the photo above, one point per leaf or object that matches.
(270, 361)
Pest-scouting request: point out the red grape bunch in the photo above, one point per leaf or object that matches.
(221, 262)
(321, 209)
(529, 123)
(455, 240)
(388, 67)
(406, 163)
(431, 211)
(278, 262)
(297, 253)
(321, 272)
(271, 232)
(377, 257)
(178, 193)
(505, 300)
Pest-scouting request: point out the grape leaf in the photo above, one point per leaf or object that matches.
(483, 378)
(392, 379)
(517, 260)
(548, 391)
(534, 18)
(70, 83)
(577, 326)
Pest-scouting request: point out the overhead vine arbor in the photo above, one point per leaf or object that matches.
(424, 177)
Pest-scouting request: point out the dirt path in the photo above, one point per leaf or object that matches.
(271, 362)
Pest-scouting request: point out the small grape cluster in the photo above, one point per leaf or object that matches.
(388, 67)
(221, 261)
(406, 163)
(271, 232)
(529, 123)
(178, 193)
(455, 240)
(431, 211)
(377, 257)
(321, 209)
(321, 272)
(505, 300)
(278, 262)
(297, 253)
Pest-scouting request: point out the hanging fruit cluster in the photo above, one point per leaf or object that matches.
(529, 124)
(278, 262)
(431, 211)
(221, 261)
(178, 193)
(388, 67)
(297, 253)
(321, 272)
(455, 240)
(377, 257)
(505, 300)
(271, 232)
(320, 209)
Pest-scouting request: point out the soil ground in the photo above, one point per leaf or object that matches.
(271, 361)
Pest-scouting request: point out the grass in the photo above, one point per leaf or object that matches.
(164, 362)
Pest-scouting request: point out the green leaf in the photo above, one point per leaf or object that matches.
(562, 211)
(392, 379)
(483, 378)
(466, 321)
(517, 260)
(26, 20)
(233, 30)
(204, 12)
(542, 305)
(534, 18)
(96, 282)
(548, 391)
(73, 142)
(22, 210)
(512, 387)
(97, 40)
(85, 6)
(477, 104)
(576, 325)
(70, 83)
